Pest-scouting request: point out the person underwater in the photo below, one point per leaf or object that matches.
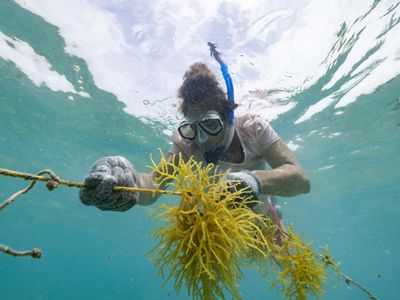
(245, 144)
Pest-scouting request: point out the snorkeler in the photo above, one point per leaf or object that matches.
(210, 133)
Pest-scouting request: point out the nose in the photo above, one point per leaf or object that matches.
(202, 136)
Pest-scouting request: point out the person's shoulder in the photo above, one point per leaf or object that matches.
(250, 120)
(255, 128)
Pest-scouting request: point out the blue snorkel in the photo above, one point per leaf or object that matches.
(227, 77)
(212, 155)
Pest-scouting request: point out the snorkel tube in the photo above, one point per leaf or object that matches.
(227, 77)
(212, 155)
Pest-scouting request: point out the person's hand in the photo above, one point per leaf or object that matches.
(106, 173)
(245, 181)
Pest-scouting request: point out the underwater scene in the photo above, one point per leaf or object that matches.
(84, 79)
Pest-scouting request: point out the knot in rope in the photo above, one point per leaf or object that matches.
(36, 253)
(54, 180)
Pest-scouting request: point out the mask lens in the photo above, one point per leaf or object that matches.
(187, 131)
(211, 126)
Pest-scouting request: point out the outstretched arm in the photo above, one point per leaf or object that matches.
(149, 181)
(287, 177)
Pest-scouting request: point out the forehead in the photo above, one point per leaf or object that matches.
(200, 114)
(199, 110)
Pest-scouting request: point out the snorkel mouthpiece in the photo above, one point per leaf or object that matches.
(212, 156)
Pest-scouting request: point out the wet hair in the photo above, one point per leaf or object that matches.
(201, 88)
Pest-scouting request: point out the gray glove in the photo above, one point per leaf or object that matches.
(106, 173)
(248, 182)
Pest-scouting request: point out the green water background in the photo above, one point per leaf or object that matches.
(89, 254)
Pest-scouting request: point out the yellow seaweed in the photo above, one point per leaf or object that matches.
(211, 234)
(301, 272)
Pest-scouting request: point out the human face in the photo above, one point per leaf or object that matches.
(204, 128)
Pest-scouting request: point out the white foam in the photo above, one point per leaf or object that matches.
(96, 36)
(35, 66)
(292, 145)
(315, 108)
(326, 168)
(380, 75)
(135, 70)
(367, 31)
(364, 78)
(295, 59)
(268, 44)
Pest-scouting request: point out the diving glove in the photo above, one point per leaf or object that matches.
(245, 181)
(106, 173)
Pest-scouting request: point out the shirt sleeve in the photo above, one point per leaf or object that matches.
(263, 133)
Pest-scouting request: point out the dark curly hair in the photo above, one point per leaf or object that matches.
(201, 88)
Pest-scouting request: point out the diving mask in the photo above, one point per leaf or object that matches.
(211, 123)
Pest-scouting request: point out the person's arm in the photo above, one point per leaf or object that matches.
(287, 177)
(149, 181)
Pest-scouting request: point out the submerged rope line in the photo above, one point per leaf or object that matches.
(329, 262)
(327, 259)
(39, 177)
(51, 185)
(52, 182)
(35, 252)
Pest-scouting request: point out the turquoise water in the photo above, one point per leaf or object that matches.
(351, 154)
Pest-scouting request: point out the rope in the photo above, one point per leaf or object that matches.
(52, 182)
(35, 252)
(327, 259)
(54, 179)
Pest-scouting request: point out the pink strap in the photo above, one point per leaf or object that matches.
(272, 211)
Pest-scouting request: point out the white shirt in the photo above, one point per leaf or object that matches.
(255, 135)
